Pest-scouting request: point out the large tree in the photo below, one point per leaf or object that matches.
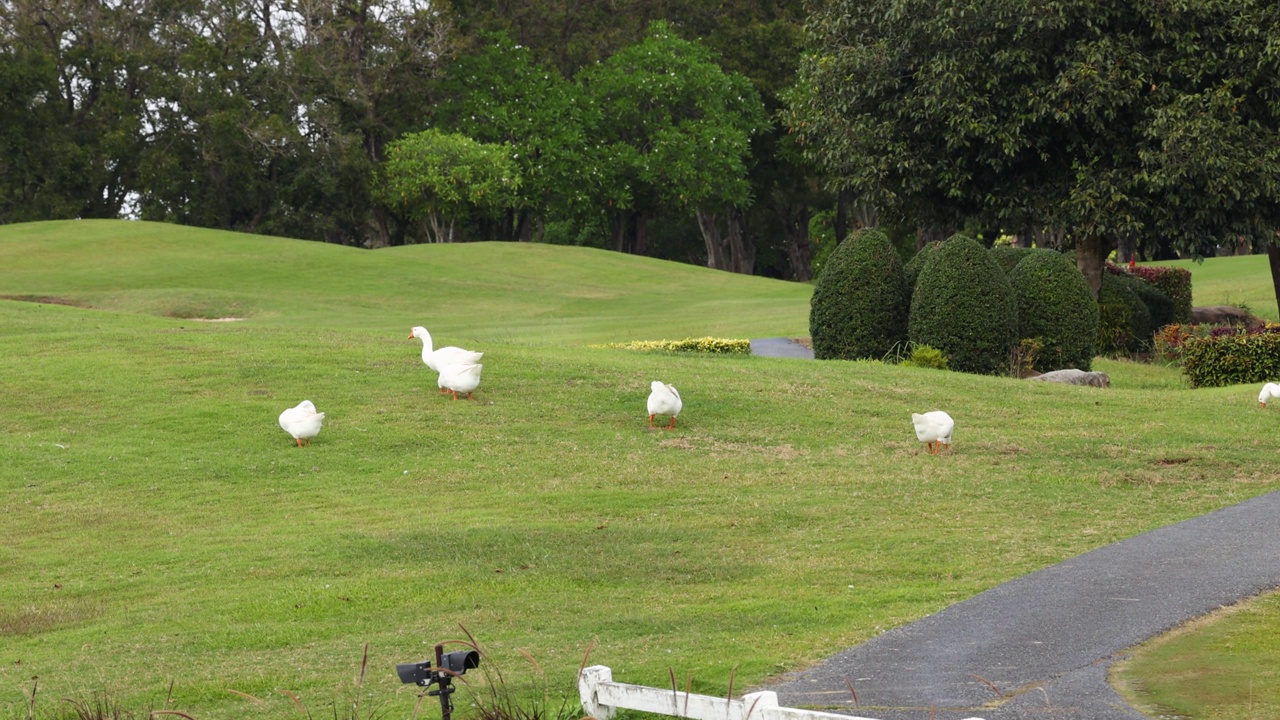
(675, 129)
(74, 77)
(222, 122)
(759, 40)
(1155, 120)
(501, 94)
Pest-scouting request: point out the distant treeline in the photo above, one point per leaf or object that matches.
(646, 127)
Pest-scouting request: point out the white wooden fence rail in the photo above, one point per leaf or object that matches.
(601, 697)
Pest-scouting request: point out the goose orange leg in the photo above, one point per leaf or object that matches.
(673, 423)
(650, 421)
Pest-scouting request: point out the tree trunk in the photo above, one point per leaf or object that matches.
(1273, 257)
(865, 215)
(618, 224)
(731, 250)
(1091, 253)
(926, 234)
(842, 216)
(742, 252)
(640, 225)
(709, 225)
(795, 223)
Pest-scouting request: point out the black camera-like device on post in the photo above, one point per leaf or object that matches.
(447, 667)
(457, 662)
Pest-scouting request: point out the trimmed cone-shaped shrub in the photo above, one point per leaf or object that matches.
(1008, 257)
(1159, 304)
(1124, 324)
(917, 261)
(1056, 306)
(963, 306)
(860, 302)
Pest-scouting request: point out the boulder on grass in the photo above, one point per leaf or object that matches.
(1224, 315)
(1071, 376)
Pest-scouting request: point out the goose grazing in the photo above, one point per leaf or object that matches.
(460, 378)
(934, 428)
(1270, 392)
(302, 422)
(440, 357)
(664, 400)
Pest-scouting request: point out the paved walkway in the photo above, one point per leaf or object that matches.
(780, 347)
(1044, 641)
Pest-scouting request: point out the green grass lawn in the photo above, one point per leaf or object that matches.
(1240, 280)
(160, 529)
(1223, 667)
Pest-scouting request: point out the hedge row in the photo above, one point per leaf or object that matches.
(1231, 358)
(1173, 282)
(719, 346)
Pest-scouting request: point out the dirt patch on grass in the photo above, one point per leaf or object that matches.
(34, 620)
(46, 300)
(720, 449)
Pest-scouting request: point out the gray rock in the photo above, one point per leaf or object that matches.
(1076, 377)
(1224, 315)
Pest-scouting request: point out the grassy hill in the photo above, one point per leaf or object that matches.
(160, 528)
(1241, 280)
(516, 292)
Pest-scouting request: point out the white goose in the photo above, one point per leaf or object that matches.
(440, 357)
(664, 400)
(302, 422)
(934, 428)
(460, 378)
(1270, 391)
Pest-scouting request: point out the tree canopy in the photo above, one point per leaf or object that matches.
(1103, 120)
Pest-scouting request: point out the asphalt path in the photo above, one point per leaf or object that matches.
(1039, 647)
(780, 347)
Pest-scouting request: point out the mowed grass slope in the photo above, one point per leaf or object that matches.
(1239, 280)
(505, 292)
(159, 527)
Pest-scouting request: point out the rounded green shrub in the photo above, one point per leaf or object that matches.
(1174, 282)
(860, 302)
(917, 261)
(1056, 306)
(1158, 303)
(963, 306)
(1008, 257)
(1124, 321)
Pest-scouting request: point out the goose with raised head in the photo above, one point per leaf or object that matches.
(934, 429)
(302, 422)
(664, 399)
(460, 378)
(438, 358)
